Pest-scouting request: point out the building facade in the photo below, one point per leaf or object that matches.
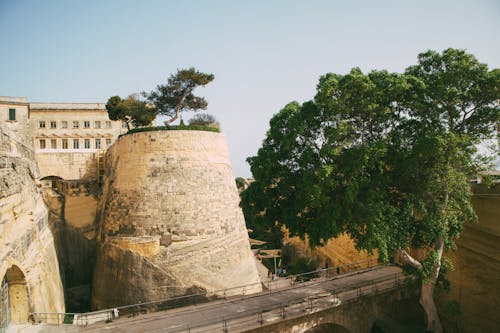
(14, 114)
(69, 138)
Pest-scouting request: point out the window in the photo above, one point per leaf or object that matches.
(86, 143)
(53, 143)
(64, 124)
(75, 124)
(76, 143)
(86, 124)
(12, 114)
(108, 124)
(97, 124)
(97, 143)
(42, 144)
(41, 124)
(108, 143)
(53, 124)
(64, 143)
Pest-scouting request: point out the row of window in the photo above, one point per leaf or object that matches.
(44, 144)
(75, 124)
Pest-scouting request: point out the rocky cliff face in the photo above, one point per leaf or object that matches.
(27, 253)
(170, 220)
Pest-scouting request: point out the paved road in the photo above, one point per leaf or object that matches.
(241, 313)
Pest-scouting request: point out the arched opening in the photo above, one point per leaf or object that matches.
(328, 328)
(49, 181)
(14, 297)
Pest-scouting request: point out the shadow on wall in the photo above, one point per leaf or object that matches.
(328, 328)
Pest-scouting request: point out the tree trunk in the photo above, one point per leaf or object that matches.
(171, 120)
(427, 292)
(427, 302)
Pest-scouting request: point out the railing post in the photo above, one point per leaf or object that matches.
(260, 320)
(310, 303)
(283, 311)
(224, 326)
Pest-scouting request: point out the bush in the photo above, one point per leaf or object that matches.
(173, 128)
(203, 119)
(296, 264)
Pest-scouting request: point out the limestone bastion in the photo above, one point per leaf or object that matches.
(170, 223)
(29, 271)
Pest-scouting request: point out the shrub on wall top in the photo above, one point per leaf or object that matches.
(172, 128)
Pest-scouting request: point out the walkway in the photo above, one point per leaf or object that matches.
(241, 313)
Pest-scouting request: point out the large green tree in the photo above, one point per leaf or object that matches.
(177, 95)
(131, 110)
(384, 157)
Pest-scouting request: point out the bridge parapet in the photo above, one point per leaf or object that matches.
(296, 308)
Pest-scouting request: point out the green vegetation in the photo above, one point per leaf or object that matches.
(131, 110)
(297, 264)
(177, 95)
(382, 156)
(174, 128)
(168, 100)
(240, 183)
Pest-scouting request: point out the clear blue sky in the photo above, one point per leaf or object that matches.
(263, 54)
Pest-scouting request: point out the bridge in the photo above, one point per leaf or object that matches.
(329, 302)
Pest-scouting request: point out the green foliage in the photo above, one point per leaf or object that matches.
(453, 309)
(131, 110)
(382, 156)
(240, 182)
(173, 128)
(203, 119)
(295, 263)
(177, 95)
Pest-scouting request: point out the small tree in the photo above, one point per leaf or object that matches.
(131, 110)
(177, 95)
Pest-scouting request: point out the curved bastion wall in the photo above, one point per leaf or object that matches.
(170, 220)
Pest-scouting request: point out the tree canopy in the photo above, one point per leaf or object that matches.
(177, 95)
(131, 110)
(382, 156)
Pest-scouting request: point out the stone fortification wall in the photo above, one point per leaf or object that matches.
(173, 195)
(27, 253)
(475, 282)
(68, 165)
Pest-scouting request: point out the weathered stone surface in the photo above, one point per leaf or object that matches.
(176, 186)
(27, 252)
(475, 282)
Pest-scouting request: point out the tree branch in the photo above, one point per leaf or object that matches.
(408, 259)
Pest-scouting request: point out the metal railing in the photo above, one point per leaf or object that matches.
(132, 310)
(279, 311)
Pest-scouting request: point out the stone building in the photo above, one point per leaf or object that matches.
(68, 138)
(14, 114)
